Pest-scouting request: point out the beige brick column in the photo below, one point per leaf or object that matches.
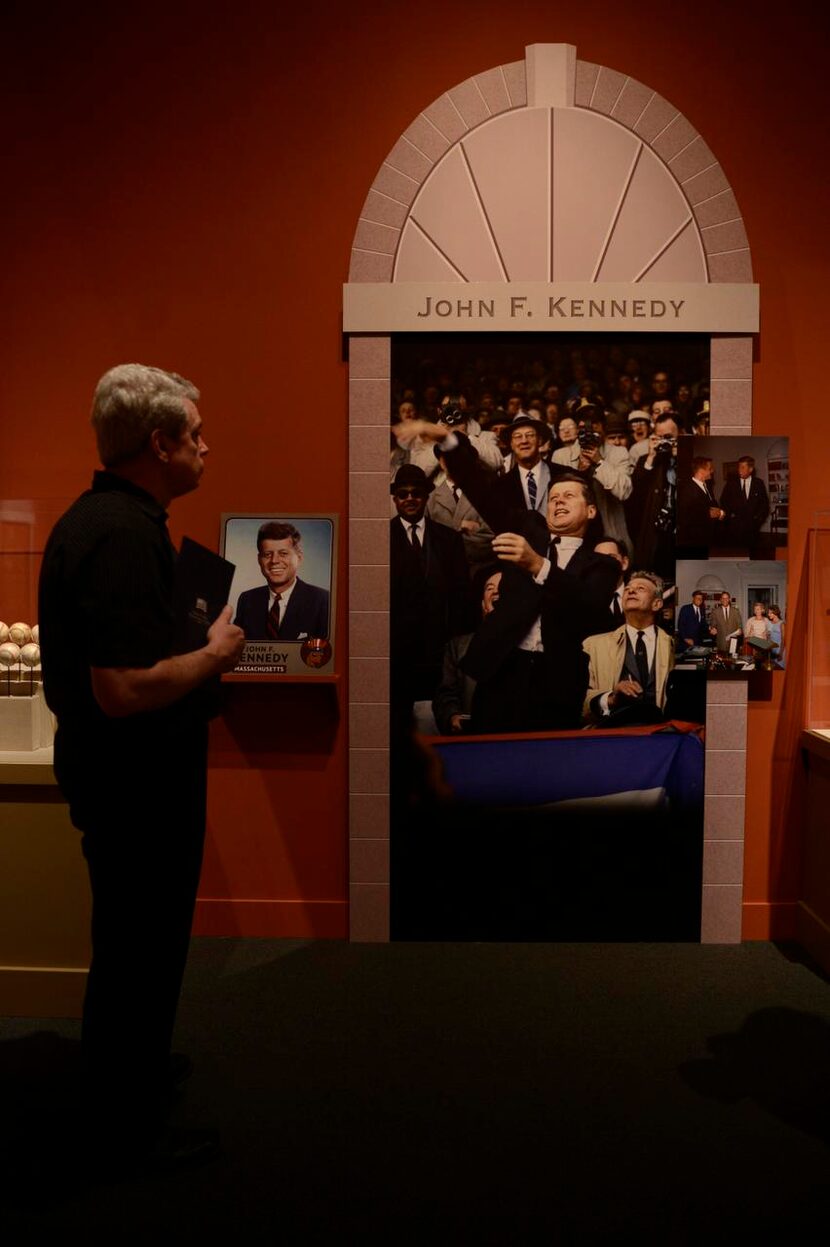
(369, 373)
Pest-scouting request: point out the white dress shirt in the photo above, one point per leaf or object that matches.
(565, 550)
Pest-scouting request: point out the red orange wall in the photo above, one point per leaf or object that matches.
(182, 186)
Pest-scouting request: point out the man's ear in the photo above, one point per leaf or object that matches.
(592, 511)
(158, 445)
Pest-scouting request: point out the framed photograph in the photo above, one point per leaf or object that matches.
(733, 496)
(282, 592)
(740, 602)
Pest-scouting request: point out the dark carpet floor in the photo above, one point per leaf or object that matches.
(458, 1093)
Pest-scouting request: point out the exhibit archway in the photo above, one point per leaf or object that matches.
(546, 195)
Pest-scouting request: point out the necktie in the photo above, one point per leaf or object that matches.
(416, 542)
(273, 625)
(531, 490)
(746, 489)
(642, 659)
(553, 553)
(616, 609)
(455, 492)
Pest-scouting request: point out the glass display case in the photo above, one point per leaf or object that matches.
(818, 625)
(813, 909)
(26, 726)
(44, 893)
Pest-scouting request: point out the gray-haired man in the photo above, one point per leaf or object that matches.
(131, 747)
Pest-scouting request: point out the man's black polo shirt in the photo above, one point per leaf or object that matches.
(106, 594)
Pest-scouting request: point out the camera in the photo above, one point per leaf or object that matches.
(665, 445)
(664, 519)
(588, 439)
(452, 416)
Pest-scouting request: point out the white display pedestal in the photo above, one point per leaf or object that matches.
(44, 893)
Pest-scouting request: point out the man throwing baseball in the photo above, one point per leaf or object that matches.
(131, 748)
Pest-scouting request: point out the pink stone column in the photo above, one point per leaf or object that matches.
(369, 399)
(723, 820)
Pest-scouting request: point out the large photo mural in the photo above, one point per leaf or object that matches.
(549, 637)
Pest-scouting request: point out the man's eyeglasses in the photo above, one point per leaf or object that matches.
(415, 492)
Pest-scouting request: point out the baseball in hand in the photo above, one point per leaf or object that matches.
(30, 655)
(20, 633)
(9, 654)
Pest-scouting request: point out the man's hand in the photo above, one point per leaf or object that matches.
(589, 457)
(408, 430)
(512, 548)
(225, 640)
(457, 723)
(470, 526)
(653, 443)
(625, 688)
(122, 691)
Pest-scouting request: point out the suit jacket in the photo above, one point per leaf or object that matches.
(695, 527)
(723, 627)
(307, 613)
(442, 507)
(508, 488)
(744, 516)
(454, 694)
(429, 597)
(653, 539)
(606, 657)
(688, 625)
(572, 604)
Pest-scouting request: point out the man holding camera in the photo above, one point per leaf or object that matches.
(484, 443)
(607, 466)
(652, 508)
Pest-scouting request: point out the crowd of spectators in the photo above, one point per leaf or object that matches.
(610, 414)
(549, 385)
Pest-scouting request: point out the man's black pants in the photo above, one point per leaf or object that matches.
(144, 857)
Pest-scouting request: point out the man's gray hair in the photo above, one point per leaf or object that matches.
(659, 587)
(131, 400)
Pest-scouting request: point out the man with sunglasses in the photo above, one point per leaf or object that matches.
(430, 591)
